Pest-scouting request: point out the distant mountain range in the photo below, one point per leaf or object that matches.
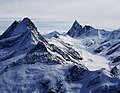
(83, 60)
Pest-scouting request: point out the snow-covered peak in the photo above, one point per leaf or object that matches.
(76, 23)
(25, 25)
(18, 28)
(22, 34)
(82, 31)
(75, 30)
(26, 20)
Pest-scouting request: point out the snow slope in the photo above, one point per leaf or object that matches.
(91, 61)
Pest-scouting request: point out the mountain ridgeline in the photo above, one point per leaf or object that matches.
(78, 30)
(59, 63)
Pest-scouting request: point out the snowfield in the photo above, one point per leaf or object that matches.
(91, 61)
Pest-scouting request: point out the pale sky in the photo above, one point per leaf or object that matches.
(98, 13)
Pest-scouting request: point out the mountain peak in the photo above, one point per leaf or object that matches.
(26, 21)
(75, 29)
(24, 32)
(18, 28)
(75, 22)
(10, 29)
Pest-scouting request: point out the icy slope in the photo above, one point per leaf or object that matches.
(91, 61)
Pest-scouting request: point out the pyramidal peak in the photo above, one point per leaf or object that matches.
(24, 32)
(25, 25)
(10, 30)
(76, 23)
(18, 28)
(75, 29)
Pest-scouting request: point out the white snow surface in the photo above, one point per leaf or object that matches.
(91, 61)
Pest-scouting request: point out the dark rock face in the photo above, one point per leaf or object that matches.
(65, 54)
(76, 73)
(114, 45)
(40, 47)
(89, 31)
(74, 54)
(99, 49)
(75, 30)
(10, 30)
(114, 71)
(102, 47)
(117, 59)
(21, 36)
(113, 50)
(10, 42)
(57, 50)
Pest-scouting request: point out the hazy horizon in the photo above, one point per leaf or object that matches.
(103, 14)
(45, 26)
